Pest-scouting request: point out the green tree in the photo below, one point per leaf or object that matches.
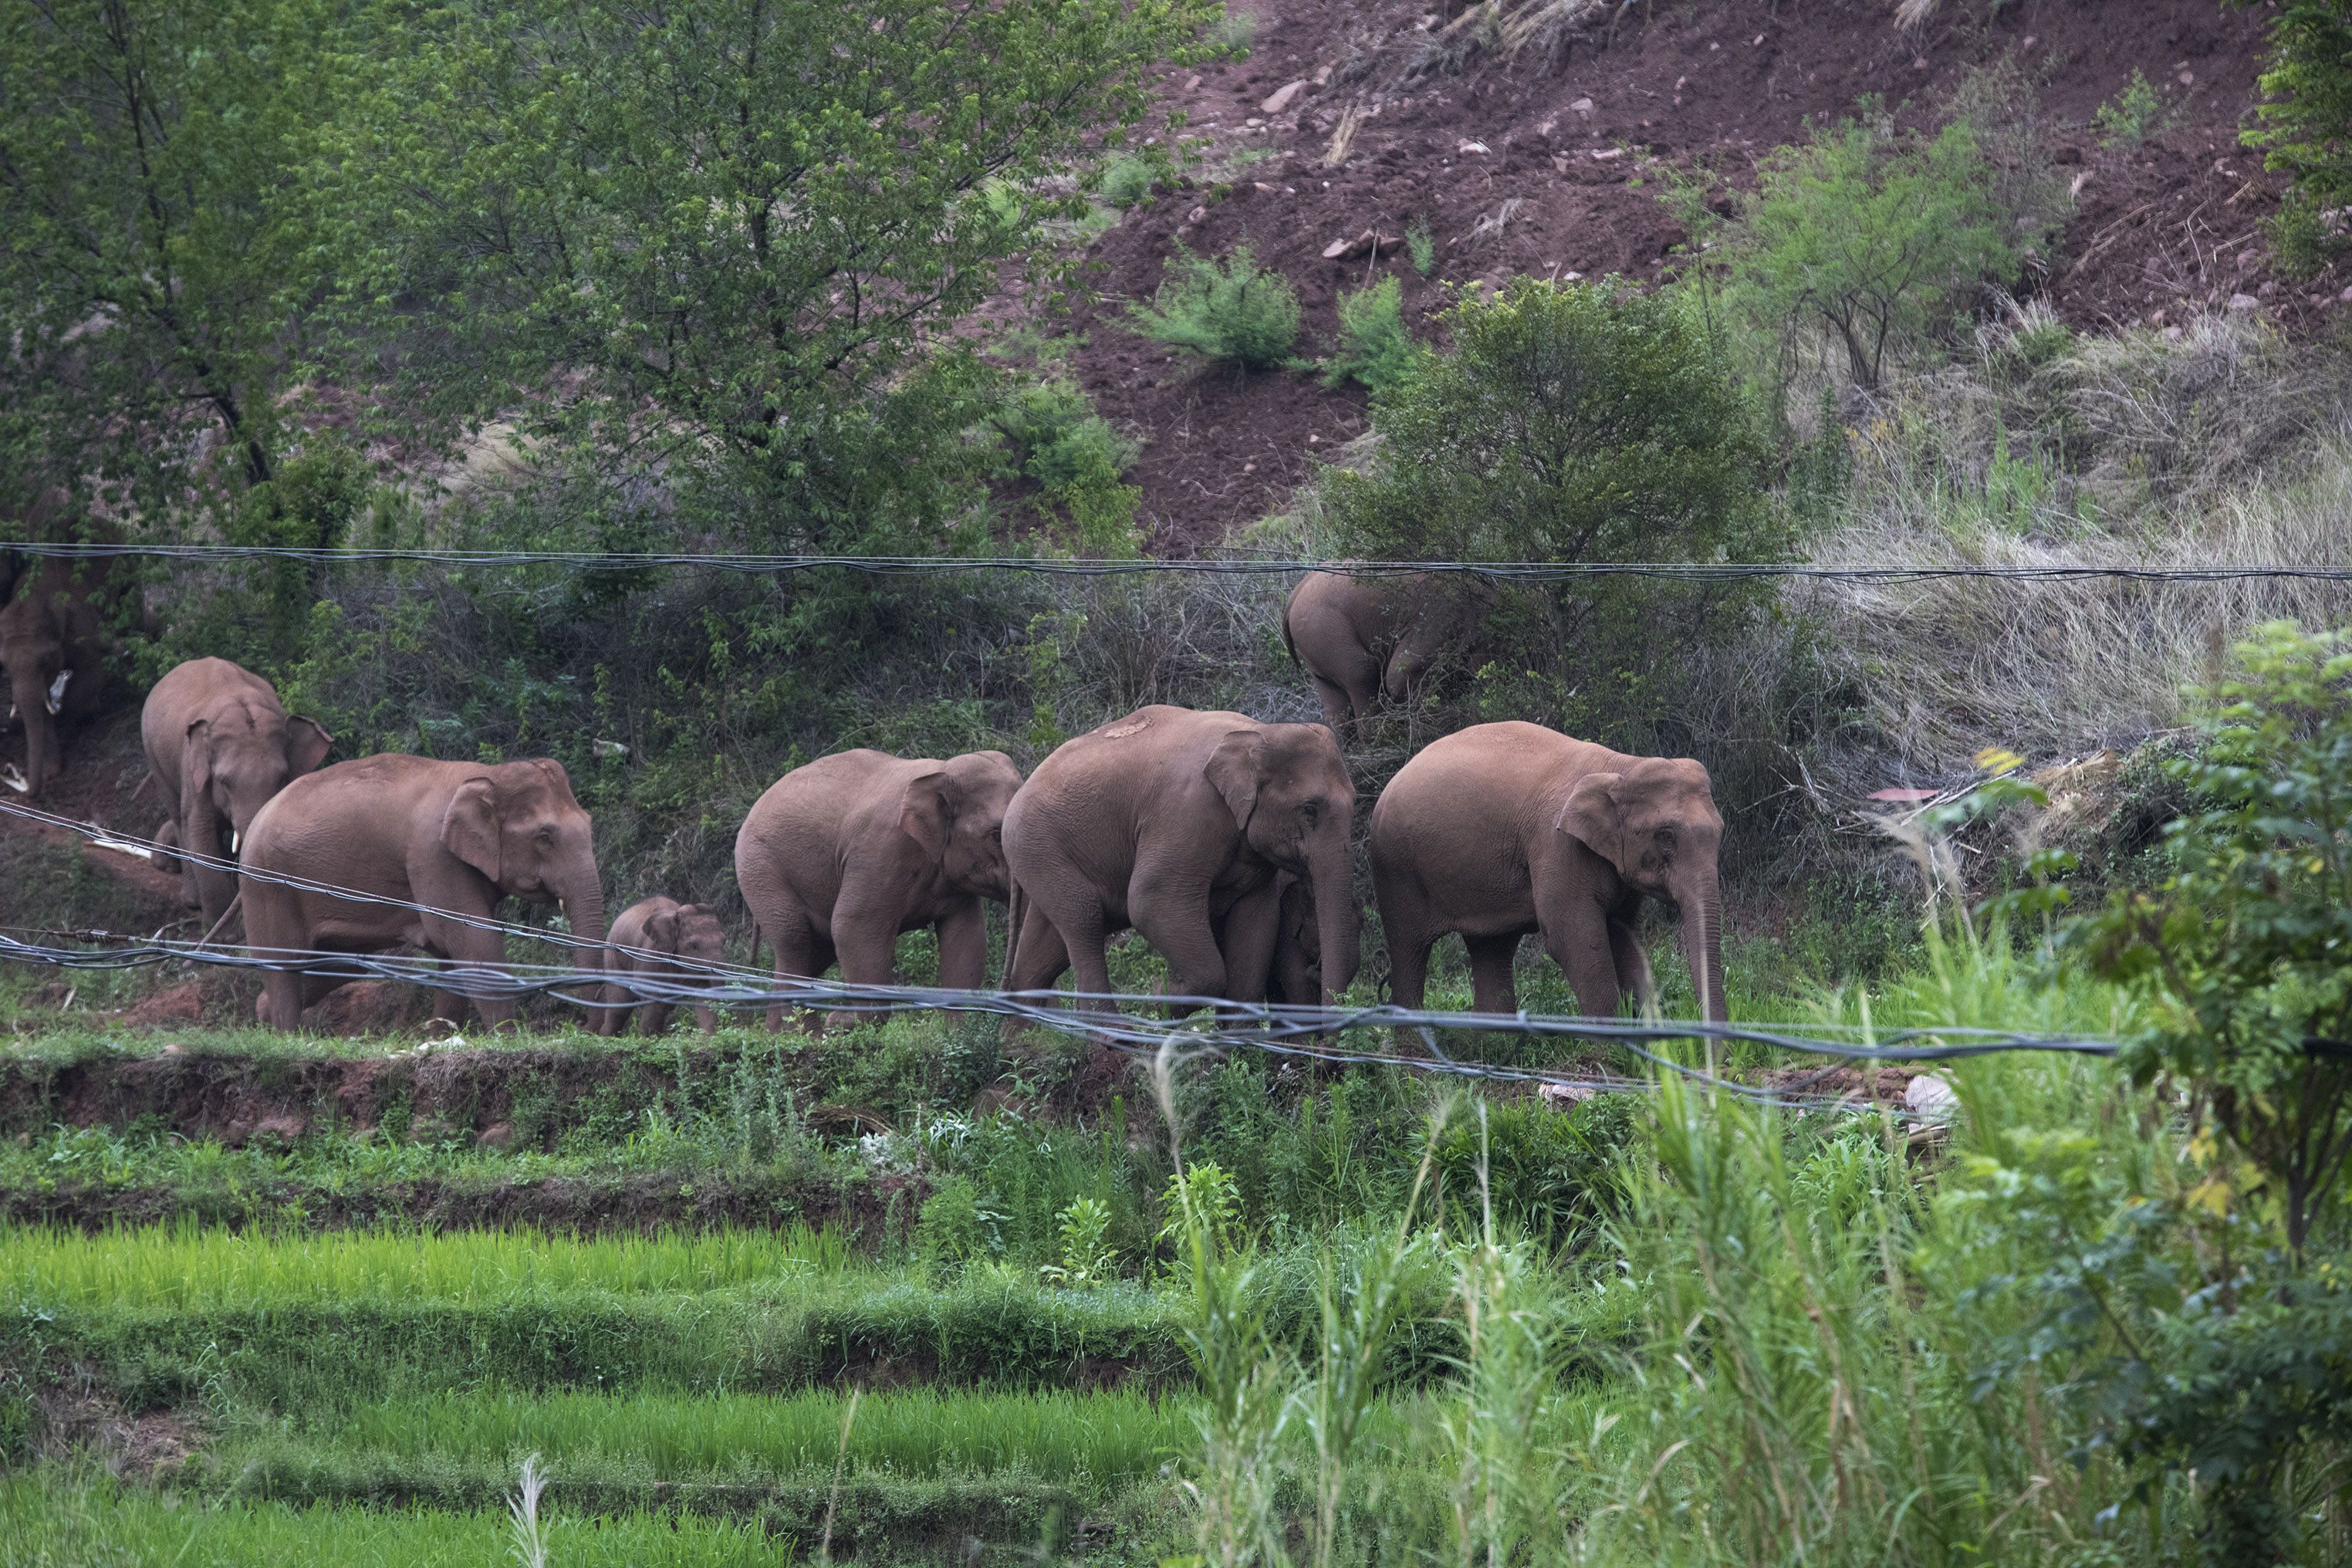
(1878, 235)
(719, 237)
(154, 251)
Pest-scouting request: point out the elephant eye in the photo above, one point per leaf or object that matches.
(1667, 838)
(546, 836)
(1311, 810)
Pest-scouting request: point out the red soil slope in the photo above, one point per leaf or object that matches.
(1570, 131)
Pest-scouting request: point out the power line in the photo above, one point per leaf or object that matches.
(1223, 566)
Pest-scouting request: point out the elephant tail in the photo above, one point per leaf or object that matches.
(1287, 643)
(752, 962)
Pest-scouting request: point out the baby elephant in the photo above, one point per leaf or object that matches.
(659, 925)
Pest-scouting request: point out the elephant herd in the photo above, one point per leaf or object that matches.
(1225, 842)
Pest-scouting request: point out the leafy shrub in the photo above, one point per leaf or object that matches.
(2304, 124)
(1878, 235)
(1233, 311)
(2243, 950)
(1571, 423)
(1125, 180)
(1421, 247)
(1063, 443)
(2136, 114)
(1375, 349)
(1546, 1173)
(1088, 1259)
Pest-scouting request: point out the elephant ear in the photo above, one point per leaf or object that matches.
(469, 826)
(927, 813)
(196, 762)
(307, 745)
(1592, 816)
(661, 932)
(1234, 768)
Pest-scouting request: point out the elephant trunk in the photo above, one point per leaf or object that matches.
(1339, 925)
(31, 693)
(584, 905)
(1701, 934)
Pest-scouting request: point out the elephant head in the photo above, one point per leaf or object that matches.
(242, 757)
(1289, 790)
(693, 933)
(518, 825)
(1655, 822)
(957, 814)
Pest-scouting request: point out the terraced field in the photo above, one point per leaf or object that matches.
(303, 1300)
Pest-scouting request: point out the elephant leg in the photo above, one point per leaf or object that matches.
(1172, 910)
(867, 941)
(1040, 956)
(1633, 964)
(204, 833)
(963, 947)
(475, 949)
(708, 1019)
(271, 923)
(801, 954)
(1408, 962)
(610, 1017)
(1578, 940)
(1336, 710)
(653, 1019)
(1491, 990)
(1252, 927)
(167, 837)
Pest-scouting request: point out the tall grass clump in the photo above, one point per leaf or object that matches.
(1231, 311)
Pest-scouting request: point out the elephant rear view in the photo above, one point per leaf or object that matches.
(841, 856)
(219, 746)
(1177, 824)
(1362, 639)
(457, 838)
(53, 644)
(1504, 829)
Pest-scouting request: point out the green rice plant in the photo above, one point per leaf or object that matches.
(49, 1520)
(1375, 349)
(1105, 1436)
(1231, 311)
(187, 1269)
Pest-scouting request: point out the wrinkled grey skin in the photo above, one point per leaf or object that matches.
(659, 925)
(219, 746)
(1361, 639)
(1178, 825)
(1505, 829)
(54, 628)
(456, 838)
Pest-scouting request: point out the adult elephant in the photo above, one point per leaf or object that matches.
(453, 836)
(1179, 823)
(844, 854)
(219, 746)
(1360, 637)
(1503, 830)
(52, 645)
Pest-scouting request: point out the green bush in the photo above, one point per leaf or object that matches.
(2304, 124)
(1878, 235)
(1375, 349)
(1233, 312)
(1062, 442)
(2136, 114)
(1125, 180)
(1571, 423)
(1421, 247)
